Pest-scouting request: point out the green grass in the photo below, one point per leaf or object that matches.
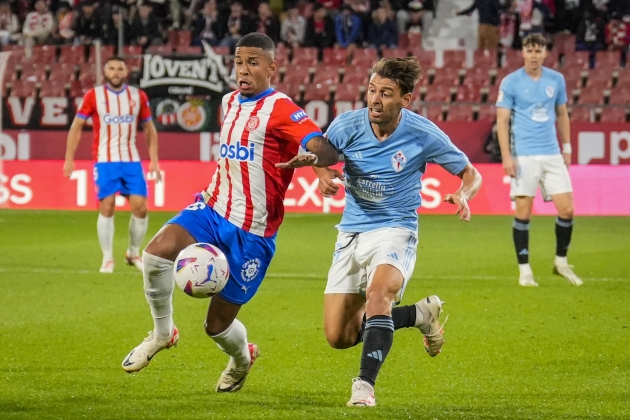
(554, 351)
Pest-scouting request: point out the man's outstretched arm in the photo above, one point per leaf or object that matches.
(471, 182)
(322, 154)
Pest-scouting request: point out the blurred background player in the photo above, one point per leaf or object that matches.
(385, 148)
(240, 211)
(531, 99)
(115, 109)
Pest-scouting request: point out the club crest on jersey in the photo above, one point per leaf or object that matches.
(250, 269)
(252, 123)
(299, 116)
(399, 160)
(549, 91)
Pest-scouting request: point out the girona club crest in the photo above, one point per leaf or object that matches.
(252, 123)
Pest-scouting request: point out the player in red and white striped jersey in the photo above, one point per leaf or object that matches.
(239, 212)
(116, 109)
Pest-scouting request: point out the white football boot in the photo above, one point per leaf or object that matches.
(107, 266)
(527, 280)
(430, 327)
(565, 270)
(233, 378)
(141, 356)
(362, 394)
(134, 261)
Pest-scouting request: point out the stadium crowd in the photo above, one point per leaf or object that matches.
(330, 46)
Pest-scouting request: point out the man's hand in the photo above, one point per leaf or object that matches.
(509, 166)
(299, 162)
(567, 159)
(462, 205)
(154, 168)
(68, 168)
(327, 185)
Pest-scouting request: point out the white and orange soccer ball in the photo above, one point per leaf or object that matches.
(201, 270)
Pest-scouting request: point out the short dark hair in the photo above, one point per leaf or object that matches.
(114, 58)
(257, 40)
(535, 40)
(404, 71)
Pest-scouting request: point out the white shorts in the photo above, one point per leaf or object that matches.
(548, 171)
(358, 254)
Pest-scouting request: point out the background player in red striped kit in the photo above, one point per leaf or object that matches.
(115, 109)
(239, 212)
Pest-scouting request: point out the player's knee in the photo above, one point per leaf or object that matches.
(340, 342)
(566, 212)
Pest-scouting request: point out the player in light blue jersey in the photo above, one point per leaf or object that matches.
(386, 149)
(533, 101)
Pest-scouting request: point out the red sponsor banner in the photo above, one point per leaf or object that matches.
(607, 144)
(598, 189)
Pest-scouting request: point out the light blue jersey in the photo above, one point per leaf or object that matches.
(533, 104)
(383, 177)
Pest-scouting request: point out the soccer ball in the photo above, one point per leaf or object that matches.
(201, 270)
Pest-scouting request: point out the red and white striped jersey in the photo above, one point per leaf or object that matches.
(115, 121)
(247, 188)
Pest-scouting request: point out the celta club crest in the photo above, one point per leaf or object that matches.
(249, 270)
(399, 160)
(549, 91)
(252, 123)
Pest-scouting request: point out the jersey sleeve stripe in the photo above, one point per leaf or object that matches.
(146, 119)
(308, 137)
(82, 116)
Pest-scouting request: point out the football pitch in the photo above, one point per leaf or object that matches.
(550, 352)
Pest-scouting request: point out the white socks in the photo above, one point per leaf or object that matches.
(158, 289)
(105, 231)
(560, 261)
(525, 269)
(137, 230)
(233, 342)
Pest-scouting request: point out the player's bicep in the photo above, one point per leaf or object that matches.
(504, 114)
(561, 110)
(78, 122)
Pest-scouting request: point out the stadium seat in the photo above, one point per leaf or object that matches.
(403, 40)
(348, 92)
(159, 49)
(498, 75)
(188, 49)
(613, 115)
(592, 96)
(62, 72)
(552, 59)
(87, 71)
(316, 92)
(486, 113)
(335, 56)
(365, 57)
(455, 59)
(184, 37)
(580, 114)
(468, 93)
(72, 54)
(491, 93)
(459, 113)
(437, 93)
(292, 90)
(282, 56)
(477, 76)
(131, 50)
(44, 54)
(35, 72)
(52, 89)
(78, 89)
(619, 96)
(577, 59)
(433, 112)
(394, 52)
(414, 39)
(106, 52)
(304, 56)
(355, 76)
(485, 59)
(23, 89)
(326, 77)
(512, 58)
(134, 64)
(607, 60)
(426, 58)
(297, 75)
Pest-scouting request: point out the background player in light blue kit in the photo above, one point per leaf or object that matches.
(532, 99)
(386, 149)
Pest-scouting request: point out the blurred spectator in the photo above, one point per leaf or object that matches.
(293, 27)
(9, 25)
(409, 19)
(507, 28)
(145, 29)
(238, 25)
(320, 29)
(63, 32)
(489, 19)
(88, 25)
(130, 10)
(618, 34)
(166, 9)
(533, 15)
(190, 10)
(208, 26)
(617, 9)
(347, 27)
(383, 32)
(111, 28)
(332, 5)
(21, 8)
(591, 32)
(569, 16)
(38, 24)
(267, 23)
